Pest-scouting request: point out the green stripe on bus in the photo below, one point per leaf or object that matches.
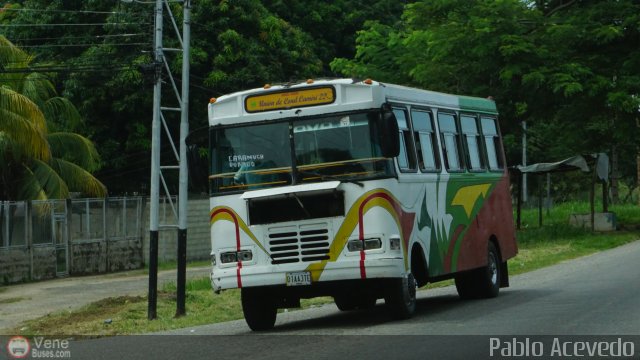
(477, 104)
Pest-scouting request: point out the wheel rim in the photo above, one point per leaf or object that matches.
(411, 284)
(493, 268)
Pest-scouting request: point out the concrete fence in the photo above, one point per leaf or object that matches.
(46, 239)
(198, 232)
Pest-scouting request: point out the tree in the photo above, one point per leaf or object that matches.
(569, 68)
(36, 163)
(452, 46)
(596, 78)
(235, 45)
(332, 25)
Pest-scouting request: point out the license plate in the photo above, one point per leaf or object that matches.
(298, 278)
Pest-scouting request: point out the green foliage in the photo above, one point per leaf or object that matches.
(250, 46)
(36, 164)
(333, 25)
(377, 64)
(234, 45)
(568, 68)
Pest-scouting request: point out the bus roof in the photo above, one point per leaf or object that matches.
(334, 95)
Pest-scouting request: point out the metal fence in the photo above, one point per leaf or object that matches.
(46, 239)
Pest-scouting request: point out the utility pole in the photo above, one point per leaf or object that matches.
(157, 168)
(184, 180)
(154, 224)
(524, 160)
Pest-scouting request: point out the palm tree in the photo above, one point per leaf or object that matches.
(36, 163)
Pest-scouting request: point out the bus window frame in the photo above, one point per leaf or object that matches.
(481, 144)
(434, 141)
(412, 158)
(499, 148)
(457, 138)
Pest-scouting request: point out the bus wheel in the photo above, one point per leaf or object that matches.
(483, 282)
(401, 297)
(259, 309)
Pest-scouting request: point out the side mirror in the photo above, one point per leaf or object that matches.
(388, 138)
(198, 159)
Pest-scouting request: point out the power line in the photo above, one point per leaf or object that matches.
(61, 11)
(81, 37)
(84, 62)
(77, 45)
(72, 24)
(66, 69)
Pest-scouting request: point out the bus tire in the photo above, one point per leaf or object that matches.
(400, 298)
(483, 282)
(259, 309)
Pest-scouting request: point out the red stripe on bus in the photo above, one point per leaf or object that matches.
(363, 271)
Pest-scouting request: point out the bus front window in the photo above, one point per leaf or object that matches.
(338, 147)
(250, 157)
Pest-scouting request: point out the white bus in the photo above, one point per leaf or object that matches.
(358, 190)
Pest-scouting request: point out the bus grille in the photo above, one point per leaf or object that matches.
(292, 244)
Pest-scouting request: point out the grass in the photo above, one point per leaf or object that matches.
(12, 300)
(128, 314)
(172, 265)
(538, 247)
(556, 241)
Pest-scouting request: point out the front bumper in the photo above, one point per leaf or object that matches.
(274, 275)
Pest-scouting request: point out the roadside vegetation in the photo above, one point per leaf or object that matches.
(539, 247)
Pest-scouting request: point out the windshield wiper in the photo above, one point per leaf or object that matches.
(301, 205)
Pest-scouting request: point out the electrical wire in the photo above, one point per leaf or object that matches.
(79, 37)
(65, 69)
(79, 45)
(61, 11)
(72, 24)
(76, 64)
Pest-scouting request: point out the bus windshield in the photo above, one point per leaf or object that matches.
(338, 147)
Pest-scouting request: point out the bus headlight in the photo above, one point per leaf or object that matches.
(228, 257)
(245, 255)
(235, 256)
(366, 244)
(370, 244)
(394, 243)
(354, 245)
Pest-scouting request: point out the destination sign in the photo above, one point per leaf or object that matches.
(290, 99)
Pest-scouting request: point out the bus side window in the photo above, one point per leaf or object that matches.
(471, 138)
(425, 140)
(407, 156)
(492, 144)
(450, 141)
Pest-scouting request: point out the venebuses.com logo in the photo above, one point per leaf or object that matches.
(18, 347)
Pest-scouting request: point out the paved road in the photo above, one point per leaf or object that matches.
(584, 299)
(592, 295)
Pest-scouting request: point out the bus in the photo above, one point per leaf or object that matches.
(358, 190)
